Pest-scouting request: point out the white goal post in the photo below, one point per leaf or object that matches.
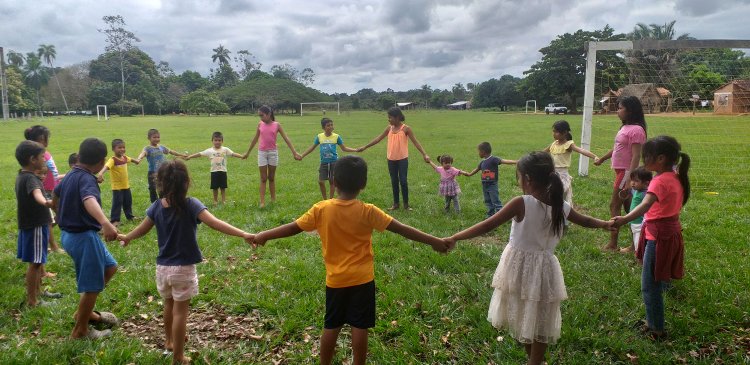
(527, 105)
(98, 116)
(322, 105)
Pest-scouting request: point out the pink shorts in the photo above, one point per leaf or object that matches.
(619, 177)
(177, 282)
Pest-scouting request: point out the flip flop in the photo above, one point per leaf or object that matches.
(106, 318)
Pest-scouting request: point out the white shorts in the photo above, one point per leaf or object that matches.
(636, 229)
(177, 282)
(268, 158)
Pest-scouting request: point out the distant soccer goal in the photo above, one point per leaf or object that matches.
(320, 108)
(98, 115)
(533, 102)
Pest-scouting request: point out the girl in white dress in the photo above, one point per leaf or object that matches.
(528, 281)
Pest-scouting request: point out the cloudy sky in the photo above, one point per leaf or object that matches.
(380, 44)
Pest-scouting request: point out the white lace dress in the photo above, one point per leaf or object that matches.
(528, 281)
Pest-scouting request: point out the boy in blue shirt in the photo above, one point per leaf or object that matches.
(155, 155)
(80, 216)
(328, 155)
(489, 168)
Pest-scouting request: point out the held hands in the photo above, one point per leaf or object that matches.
(124, 241)
(598, 161)
(426, 158)
(249, 239)
(617, 222)
(298, 157)
(109, 231)
(359, 149)
(99, 179)
(244, 157)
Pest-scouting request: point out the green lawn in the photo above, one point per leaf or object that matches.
(431, 308)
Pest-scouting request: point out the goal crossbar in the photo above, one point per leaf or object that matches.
(323, 103)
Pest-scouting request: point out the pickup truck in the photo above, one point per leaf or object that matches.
(555, 108)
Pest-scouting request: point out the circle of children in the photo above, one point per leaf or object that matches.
(528, 282)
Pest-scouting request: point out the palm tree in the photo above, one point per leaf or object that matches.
(15, 58)
(47, 53)
(222, 55)
(658, 66)
(35, 74)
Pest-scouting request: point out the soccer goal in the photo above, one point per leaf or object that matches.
(694, 90)
(320, 108)
(530, 102)
(98, 115)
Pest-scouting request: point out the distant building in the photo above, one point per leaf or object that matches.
(732, 98)
(459, 105)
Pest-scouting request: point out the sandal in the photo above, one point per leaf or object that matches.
(106, 318)
(95, 334)
(393, 207)
(53, 295)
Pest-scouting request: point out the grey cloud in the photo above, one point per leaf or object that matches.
(288, 45)
(701, 7)
(235, 6)
(440, 58)
(408, 16)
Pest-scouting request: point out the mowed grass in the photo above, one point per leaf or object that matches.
(431, 308)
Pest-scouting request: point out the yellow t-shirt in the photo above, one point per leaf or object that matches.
(345, 228)
(561, 153)
(118, 171)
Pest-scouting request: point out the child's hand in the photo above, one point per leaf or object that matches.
(598, 161)
(250, 239)
(110, 232)
(359, 149)
(298, 157)
(99, 179)
(615, 223)
(450, 242)
(259, 240)
(440, 246)
(124, 241)
(244, 157)
(426, 158)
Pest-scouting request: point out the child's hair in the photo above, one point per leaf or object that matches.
(485, 147)
(26, 150)
(37, 133)
(445, 159)
(396, 113)
(265, 109)
(92, 151)
(173, 181)
(325, 121)
(117, 142)
(350, 174)
(670, 148)
(152, 131)
(562, 126)
(640, 173)
(217, 135)
(72, 159)
(635, 111)
(539, 169)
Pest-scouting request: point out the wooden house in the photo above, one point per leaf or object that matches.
(732, 98)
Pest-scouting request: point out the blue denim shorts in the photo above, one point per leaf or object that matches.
(90, 257)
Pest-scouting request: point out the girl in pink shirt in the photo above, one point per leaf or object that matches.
(41, 134)
(268, 155)
(448, 185)
(625, 156)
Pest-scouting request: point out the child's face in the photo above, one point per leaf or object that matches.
(393, 120)
(638, 184)
(265, 118)
(328, 128)
(38, 165)
(446, 164)
(119, 150)
(622, 113)
(217, 142)
(155, 139)
(482, 154)
(558, 136)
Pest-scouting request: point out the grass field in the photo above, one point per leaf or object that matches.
(266, 306)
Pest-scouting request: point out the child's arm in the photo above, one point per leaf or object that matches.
(582, 151)
(252, 143)
(606, 157)
(173, 152)
(95, 211)
(210, 220)
(413, 139)
(286, 230)
(414, 234)
(472, 172)
(347, 149)
(41, 199)
(638, 211)
(135, 160)
(307, 151)
(508, 162)
(514, 208)
(376, 140)
(429, 161)
(235, 154)
(137, 232)
(195, 155)
(100, 175)
(288, 143)
(588, 221)
(141, 155)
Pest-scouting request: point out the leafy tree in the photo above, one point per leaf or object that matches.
(222, 77)
(307, 76)
(285, 71)
(120, 42)
(386, 101)
(279, 93)
(459, 91)
(702, 81)
(655, 65)
(15, 59)
(35, 75)
(75, 82)
(143, 82)
(498, 92)
(559, 75)
(164, 70)
(440, 98)
(47, 53)
(221, 54)
(246, 63)
(202, 101)
(127, 106)
(19, 95)
(192, 80)
(103, 93)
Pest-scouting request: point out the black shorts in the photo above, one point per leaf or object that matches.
(352, 305)
(325, 171)
(218, 180)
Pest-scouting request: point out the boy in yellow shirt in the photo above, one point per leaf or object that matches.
(122, 199)
(345, 225)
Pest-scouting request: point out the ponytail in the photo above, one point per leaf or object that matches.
(539, 169)
(682, 174)
(555, 197)
(173, 181)
(37, 133)
(265, 109)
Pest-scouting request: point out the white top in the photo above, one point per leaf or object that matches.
(534, 233)
(218, 158)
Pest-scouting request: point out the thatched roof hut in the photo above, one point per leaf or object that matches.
(647, 93)
(732, 98)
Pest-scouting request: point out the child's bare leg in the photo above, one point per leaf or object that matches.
(33, 278)
(168, 324)
(272, 182)
(328, 344)
(109, 272)
(51, 240)
(223, 195)
(359, 345)
(216, 196)
(83, 314)
(333, 188)
(262, 189)
(323, 191)
(180, 312)
(614, 210)
(536, 353)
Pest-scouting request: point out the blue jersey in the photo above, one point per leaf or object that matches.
(155, 156)
(328, 145)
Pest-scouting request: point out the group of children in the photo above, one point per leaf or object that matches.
(528, 282)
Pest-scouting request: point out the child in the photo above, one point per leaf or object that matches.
(218, 155)
(80, 217)
(625, 156)
(176, 218)
(72, 159)
(154, 154)
(328, 156)
(268, 155)
(489, 168)
(528, 281)
(448, 185)
(639, 180)
(561, 150)
(41, 134)
(122, 199)
(345, 225)
(666, 194)
(33, 214)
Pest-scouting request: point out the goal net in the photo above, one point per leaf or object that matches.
(319, 108)
(696, 91)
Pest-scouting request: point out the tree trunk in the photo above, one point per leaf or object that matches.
(60, 88)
